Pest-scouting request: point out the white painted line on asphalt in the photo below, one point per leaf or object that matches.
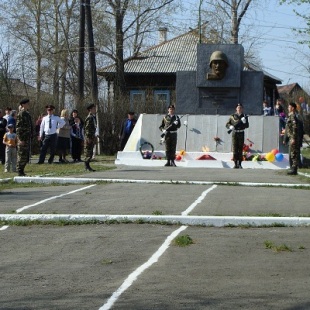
(154, 258)
(198, 200)
(54, 197)
(4, 227)
(135, 274)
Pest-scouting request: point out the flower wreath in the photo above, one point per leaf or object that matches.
(146, 150)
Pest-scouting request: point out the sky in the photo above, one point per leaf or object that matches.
(279, 56)
(273, 24)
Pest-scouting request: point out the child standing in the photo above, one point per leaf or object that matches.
(10, 140)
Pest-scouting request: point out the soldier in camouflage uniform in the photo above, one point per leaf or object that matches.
(236, 124)
(292, 137)
(90, 134)
(24, 133)
(169, 126)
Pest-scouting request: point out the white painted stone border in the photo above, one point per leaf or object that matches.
(214, 221)
(50, 180)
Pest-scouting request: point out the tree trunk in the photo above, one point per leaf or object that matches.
(119, 80)
(81, 54)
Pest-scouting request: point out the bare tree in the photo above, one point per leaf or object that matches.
(129, 15)
(225, 16)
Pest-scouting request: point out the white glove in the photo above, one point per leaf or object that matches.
(164, 131)
(243, 119)
(231, 127)
(185, 123)
(176, 123)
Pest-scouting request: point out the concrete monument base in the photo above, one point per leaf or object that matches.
(190, 160)
(196, 138)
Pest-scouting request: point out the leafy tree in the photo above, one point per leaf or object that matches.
(303, 15)
(302, 55)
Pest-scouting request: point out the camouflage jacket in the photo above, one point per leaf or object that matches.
(90, 126)
(24, 126)
(235, 120)
(291, 128)
(168, 123)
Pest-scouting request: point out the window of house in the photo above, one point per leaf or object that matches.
(161, 100)
(137, 100)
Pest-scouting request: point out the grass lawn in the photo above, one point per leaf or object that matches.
(100, 163)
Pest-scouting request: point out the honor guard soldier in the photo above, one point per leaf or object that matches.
(24, 130)
(90, 134)
(169, 126)
(293, 136)
(236, 124)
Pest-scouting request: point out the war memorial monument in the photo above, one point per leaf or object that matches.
(204, 99)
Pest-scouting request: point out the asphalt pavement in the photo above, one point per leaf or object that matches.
(135, 264)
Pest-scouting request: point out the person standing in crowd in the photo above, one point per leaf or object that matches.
(63, 140)
(90, 132)
(73, 115)
(305, 109)
(10, 140)
(37, 128)
(12, 119)
(236, 124)
(279, 108)
(3, 123)
(126, 129)
(77, 139)
(24, 134)
(48, 133)
(266, 108)
(7, 113)
(169, 126)
(279, 111)
(292, 137)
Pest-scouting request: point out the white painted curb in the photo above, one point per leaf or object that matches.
(216, 221)
(6, 180)
(57, 180)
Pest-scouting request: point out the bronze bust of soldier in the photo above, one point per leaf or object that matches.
(218, 64)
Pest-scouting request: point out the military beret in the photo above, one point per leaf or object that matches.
(23, 101)
(50, 106)
(239, 105)
(171, 106)
(90, 106)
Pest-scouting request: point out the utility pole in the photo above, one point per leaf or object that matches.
(199, 21)
(81, 66)
(92, 63)
(92, 55)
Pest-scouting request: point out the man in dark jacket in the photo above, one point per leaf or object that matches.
(126, 129)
